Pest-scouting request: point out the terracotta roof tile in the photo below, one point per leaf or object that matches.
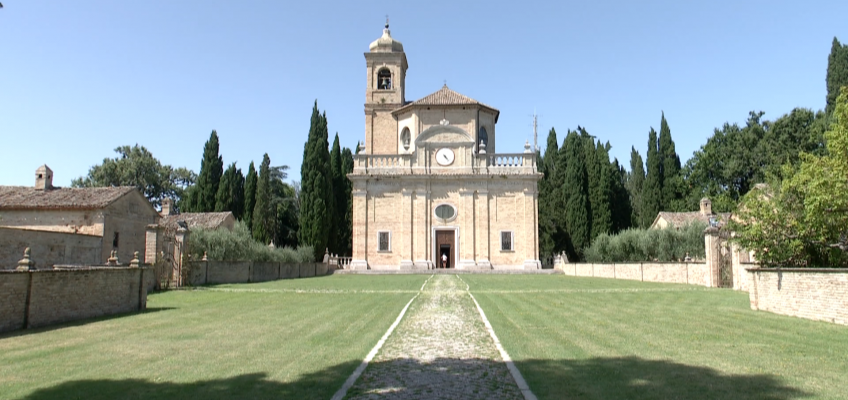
(28, 198)
(682, 218)
(209, 220)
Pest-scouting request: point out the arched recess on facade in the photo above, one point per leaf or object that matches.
(405, 138)
(482, 138)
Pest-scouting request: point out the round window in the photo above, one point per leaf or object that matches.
(445, 212)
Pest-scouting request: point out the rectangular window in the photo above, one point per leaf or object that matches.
(384, 241)
(115, 240)
(506, 241)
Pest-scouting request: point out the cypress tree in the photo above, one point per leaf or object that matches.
(347, 195)
(264, 214)
(211, 169)
(549, 196)
(601, 191)
(230, 196)
(339, 202)
(837, 73)
(250, 182)
(652, 188)
(621, 209)
(672, 181)
(635, 181)
(575, 191)
(316, 193)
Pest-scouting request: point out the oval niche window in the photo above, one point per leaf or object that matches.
(445, 212)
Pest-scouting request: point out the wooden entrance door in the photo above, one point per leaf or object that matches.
(445, 246)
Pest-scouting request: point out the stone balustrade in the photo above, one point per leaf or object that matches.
(491, 164)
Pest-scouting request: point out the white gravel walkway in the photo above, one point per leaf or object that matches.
(440, 350)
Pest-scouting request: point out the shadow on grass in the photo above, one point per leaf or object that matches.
(80, 322)
(638, 378)
(598, 378)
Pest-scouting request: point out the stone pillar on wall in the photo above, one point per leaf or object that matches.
(466, 230)
(713, 255)
(531, 230)
(153, 240)
(482, 210)
(420, 228)
(406, 229)
(180, 253)
(359, 259)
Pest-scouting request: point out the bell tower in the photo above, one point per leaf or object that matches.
(385, 63)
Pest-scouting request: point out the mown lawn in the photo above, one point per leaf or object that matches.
(587, 338)
(286, 339)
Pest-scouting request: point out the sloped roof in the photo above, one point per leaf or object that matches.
(446, 97)
(683, 218)
(208, 220)
(28, 198)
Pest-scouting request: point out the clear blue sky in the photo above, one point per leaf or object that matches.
(79, 78)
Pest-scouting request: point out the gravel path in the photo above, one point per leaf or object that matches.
(441, 350)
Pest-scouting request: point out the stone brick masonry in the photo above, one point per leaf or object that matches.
(818, 294)
(691, 273)
(30, 299)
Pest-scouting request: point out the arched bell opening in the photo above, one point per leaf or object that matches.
(384, 79)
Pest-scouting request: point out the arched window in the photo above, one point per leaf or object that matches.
(483, 137)
(405, 138)
(384, 79)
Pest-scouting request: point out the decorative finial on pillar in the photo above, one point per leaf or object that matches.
(204, 257)
(527, 146)
(26, 263)
(113, 258)
(387, 21)
(134, 263)
(482, 147)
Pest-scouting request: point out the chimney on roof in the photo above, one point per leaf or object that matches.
(43, 178)
(706, 206)
(167, 207)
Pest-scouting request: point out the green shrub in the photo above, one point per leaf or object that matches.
(238, 245)
(638, 245)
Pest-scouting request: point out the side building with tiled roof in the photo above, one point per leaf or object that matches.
(71, 225)
(678, 219)
(199, 220)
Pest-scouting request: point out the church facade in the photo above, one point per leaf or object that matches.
(429, 189)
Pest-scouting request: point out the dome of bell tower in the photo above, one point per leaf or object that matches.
(386, 44)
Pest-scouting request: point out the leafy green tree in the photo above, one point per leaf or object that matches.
(575, 191)
(337, 236)
(635, 181)
(264, 214)
(672, 181)
(652, 188)
(230, 196)
(211, 169)
(250, 183)
(550, 200)
(346, 230)
(285, 208)
(837, 72)
(316, 193)
(136, 166)
(620, 198)
(803, 221)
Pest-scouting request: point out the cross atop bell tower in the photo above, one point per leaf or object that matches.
(385, 64)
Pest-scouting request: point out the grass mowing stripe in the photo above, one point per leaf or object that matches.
(340, 394)
(516, 375)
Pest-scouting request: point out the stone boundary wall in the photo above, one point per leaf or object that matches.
(817, 294)
(689, 273)
(32, 299)
(217, 272)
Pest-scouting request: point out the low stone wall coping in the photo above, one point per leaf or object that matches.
(811, 270)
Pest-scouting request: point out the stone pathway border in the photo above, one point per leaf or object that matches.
(342, 392)
(513, 370)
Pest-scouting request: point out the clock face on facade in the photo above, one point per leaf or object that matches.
(444, 156)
